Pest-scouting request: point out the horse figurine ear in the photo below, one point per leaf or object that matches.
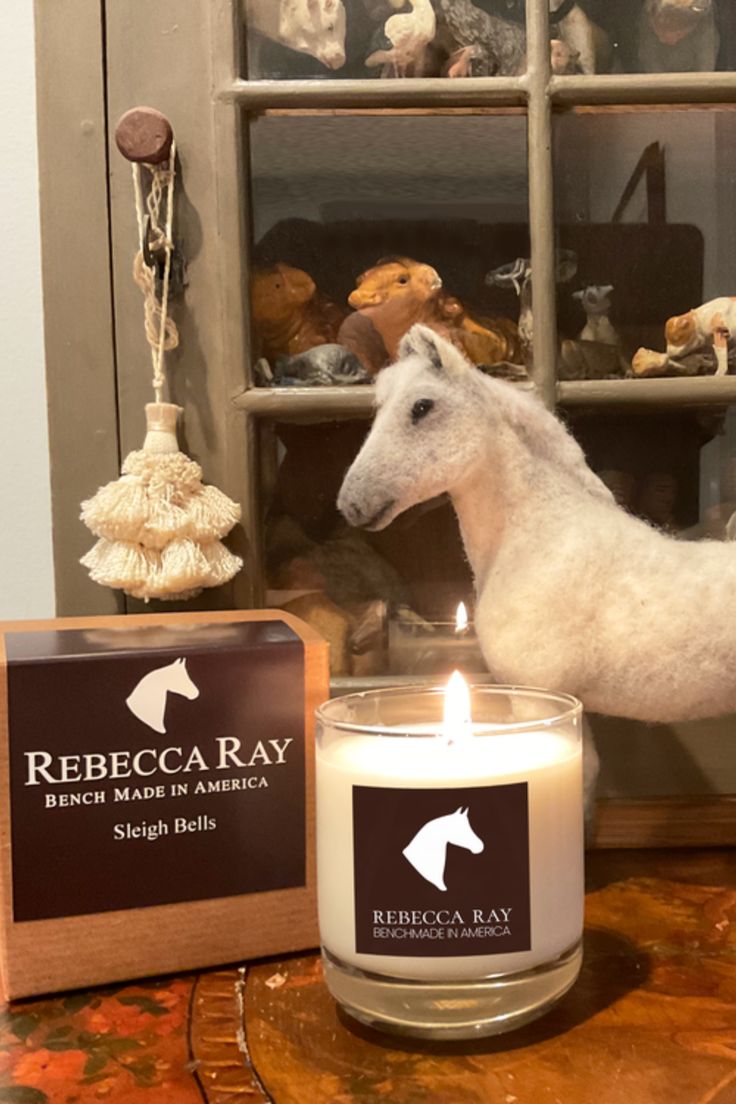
(421, 341)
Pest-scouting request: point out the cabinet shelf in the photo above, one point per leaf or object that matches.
(437, 93)
(631, 393)
(644, 88)
(307, 403)
(430, 92)
(341, 403)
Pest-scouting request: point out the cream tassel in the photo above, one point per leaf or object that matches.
(159, 527)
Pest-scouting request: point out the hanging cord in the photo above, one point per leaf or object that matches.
(161, 331)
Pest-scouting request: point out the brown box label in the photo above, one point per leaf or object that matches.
(154, 766)
(441, 872)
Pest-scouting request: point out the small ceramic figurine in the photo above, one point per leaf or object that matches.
(289, 314)
(360, 336)
(699, 327)
(677, 36)
(324, 365)
(647, 363)
(596, 302)
(479, 44)
(585, 40)
(398, 291)
(518, 275)
(313, 27)
(598, 336)
(564, 61)
(590, 360)
(403, 40)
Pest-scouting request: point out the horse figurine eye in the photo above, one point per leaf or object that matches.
(420, 409)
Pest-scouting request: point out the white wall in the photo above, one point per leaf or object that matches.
(26, 569)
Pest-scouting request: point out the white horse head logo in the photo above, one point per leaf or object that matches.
(148, 700)
(427, 852)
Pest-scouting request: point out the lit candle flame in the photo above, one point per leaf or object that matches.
(461, 619)
(457, 718)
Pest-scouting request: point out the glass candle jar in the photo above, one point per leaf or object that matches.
(450, 857)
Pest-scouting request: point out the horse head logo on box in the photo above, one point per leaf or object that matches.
(427, 852)
(147, 702)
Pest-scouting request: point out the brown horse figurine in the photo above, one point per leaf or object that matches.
(398, 292)
(289, 315)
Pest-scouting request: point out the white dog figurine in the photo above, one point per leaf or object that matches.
(573, 593)
(313, 27)
(700, 326)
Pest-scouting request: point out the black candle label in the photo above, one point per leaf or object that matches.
(154, 765)
(441, 872)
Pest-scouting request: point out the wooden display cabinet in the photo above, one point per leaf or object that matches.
(189, 61)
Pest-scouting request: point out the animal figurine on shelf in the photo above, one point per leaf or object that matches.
(590, 360)
(699, 327)
(586, 42)
(596, 302)
(677, 36)
(400, 46)
(564, 61)
(717, 360)
(313, 27)
(360, 337)
(399, 291)
(518, 275)
(478, 43)
(289, 315)
(322, 366)
(573, 593)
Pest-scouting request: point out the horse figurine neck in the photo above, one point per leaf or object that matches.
(147, 701)
(573, 593)
(427, 851)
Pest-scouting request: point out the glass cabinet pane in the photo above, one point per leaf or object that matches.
(644, 203)
(365, 39)
(678, 472)
(386, 601)
(643, 36)
(366, 224)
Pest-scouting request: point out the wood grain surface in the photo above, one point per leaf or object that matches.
(651, 1021)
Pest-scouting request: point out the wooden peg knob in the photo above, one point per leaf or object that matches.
(144, 134)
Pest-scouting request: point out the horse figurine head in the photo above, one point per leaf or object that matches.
(425, 435)
(427, 851)
(147, 701)
(440, 423)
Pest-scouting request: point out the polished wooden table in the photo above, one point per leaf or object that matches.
(651, 1021)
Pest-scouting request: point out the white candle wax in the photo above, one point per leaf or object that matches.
(547, 760)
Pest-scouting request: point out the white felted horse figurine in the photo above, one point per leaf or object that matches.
(573, 593)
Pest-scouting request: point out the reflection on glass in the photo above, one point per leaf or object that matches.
(384, 38)
(365, 225)
(644, 201)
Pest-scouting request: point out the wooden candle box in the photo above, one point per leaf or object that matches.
(156, 782)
